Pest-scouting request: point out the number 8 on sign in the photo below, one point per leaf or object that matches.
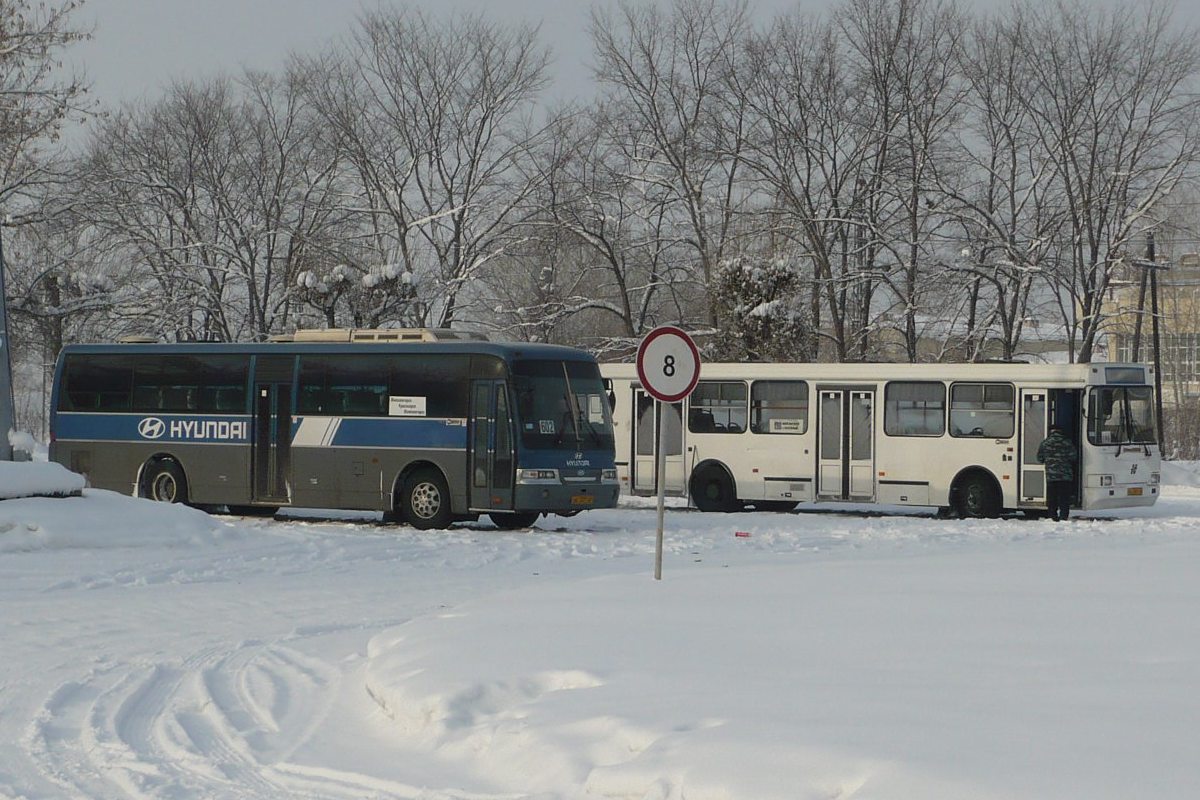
(668, 364)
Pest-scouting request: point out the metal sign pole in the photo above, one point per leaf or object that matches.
(7, 413)
(660, 464)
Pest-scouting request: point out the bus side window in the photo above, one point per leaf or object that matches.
(718, 407)
(97, 383)
(779, 407)
(914, 408)
(440, 380)
(982, 410)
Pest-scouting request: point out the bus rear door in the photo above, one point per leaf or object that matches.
(271, 458)
(846, 444)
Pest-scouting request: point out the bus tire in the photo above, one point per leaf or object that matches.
(425, 500)
(163, 481)
(712, 489)
(976, 496)
(513, 520)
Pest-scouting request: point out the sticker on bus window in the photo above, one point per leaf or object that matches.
(546, 425)
(595, 410)
(787, 426)
(406, 406)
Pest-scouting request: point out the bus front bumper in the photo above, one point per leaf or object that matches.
(562, 499)
(1129, 495)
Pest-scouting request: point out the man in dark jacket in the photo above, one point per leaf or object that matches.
(1059, 455)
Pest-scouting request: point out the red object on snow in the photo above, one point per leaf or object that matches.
(742, 534)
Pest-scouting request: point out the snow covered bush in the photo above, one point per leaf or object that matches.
(761, 311)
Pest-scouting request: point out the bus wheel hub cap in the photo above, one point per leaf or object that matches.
(425, 500)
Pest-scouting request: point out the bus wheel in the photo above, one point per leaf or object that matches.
(163, 481)
(712, 490)
(512, 521)
(977, 498)
(425, 502)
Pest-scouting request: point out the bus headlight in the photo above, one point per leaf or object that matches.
(608, 476)
(1106, 480)
(537, 476)
(1155, 477)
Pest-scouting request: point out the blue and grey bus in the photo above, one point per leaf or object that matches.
(431, 431)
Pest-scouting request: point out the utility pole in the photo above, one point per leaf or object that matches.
(7, 412)
(1150, 268)
(1158, 404)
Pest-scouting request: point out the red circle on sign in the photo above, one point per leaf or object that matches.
(667, 330)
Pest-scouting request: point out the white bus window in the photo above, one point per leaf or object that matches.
(1121, 415)
(718, 407)
(983, 410)
(914, 409)
(779, 407)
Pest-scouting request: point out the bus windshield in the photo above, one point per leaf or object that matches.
(1121, 415)
(562, 405)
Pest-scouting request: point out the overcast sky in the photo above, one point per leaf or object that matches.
(140, 45)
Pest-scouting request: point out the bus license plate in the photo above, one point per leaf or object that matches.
(1135, 491)
(582, 499)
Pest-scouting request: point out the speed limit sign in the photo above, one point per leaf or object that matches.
(668, 364)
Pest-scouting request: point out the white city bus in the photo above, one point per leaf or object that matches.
(960, 437)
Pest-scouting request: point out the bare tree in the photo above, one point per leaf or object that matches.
(36, 97)
(1002, 197)
(1111, 95)
(219, 191)
(906, 55)
(434, 119)
(677, 114)
(805, 148)
(611, 259)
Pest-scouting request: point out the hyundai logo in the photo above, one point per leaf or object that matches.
(151, 428)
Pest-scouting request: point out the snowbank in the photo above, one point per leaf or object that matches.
(983, 674)
(1181, 473)
(31, 478)
(101, 519)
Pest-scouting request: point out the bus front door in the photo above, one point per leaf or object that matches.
(650, 415)
(271, 458)
(846, 444)
(491, 460)
(1035, 416)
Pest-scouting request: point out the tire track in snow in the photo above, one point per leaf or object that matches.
(221, 723)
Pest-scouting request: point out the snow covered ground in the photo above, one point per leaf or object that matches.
(158, 652)
(26, 478)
